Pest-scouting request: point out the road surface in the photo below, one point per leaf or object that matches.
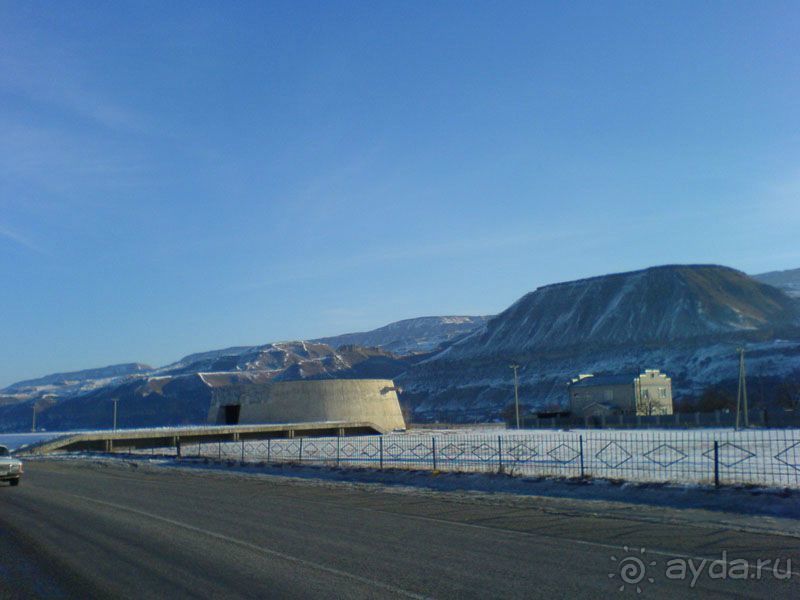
(77, 530)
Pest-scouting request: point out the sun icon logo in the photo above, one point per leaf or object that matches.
(632, 570)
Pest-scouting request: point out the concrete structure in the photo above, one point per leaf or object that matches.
(174, 437)
(649, 393)
(363, 400)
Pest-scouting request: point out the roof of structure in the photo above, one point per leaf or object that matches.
(597, 380)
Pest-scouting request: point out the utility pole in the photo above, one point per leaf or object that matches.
(741, 394)
(115, 400)
(516, 391)
(33, 425)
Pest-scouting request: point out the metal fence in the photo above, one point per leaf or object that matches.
(757, 457)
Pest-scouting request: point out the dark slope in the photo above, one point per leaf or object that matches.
(60, 379)
(787, 281)
(653, 306)
(410, 336)
(686, 320)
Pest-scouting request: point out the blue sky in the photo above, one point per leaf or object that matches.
(177, 177)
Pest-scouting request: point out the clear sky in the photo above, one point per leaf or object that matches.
(183, 176)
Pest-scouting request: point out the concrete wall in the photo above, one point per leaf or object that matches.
(363, 400)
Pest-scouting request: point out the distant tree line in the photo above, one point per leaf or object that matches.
(761, 394)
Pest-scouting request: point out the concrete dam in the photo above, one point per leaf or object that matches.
(341, 400)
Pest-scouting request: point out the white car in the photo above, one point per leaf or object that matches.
(10, 467)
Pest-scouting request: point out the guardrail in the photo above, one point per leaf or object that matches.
(757, 457)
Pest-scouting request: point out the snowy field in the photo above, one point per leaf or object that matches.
(766, 457)
(756, 457)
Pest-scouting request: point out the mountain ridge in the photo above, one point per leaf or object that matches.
(683, 301)
(684, 319)
(787, 280)
(106, 372)
(410, 336)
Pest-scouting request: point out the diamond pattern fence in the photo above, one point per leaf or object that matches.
(753, 457)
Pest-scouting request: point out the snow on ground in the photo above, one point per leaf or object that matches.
(760, 457)
(755, 457)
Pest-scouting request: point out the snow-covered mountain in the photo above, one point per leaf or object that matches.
(369, 354)
(686, 320)
(58, 379)
(788, 281)
(71, 384)
(283, 361)
(180, 393)
(657, 305)
(410, 336)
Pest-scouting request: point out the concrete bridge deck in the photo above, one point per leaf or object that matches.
(130, 439)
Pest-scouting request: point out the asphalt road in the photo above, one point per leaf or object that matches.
(81, 531)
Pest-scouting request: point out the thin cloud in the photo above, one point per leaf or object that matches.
(62, 161)
(49, 77)
(20, 240)
(453, 248)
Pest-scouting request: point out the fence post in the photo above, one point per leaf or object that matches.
(380, 439)
(269, 449)
(580, 446)
(338, 444)
(433, 444)
(219, 450)
(716, 463)
(242, 450)
(499, 454)
(300, 452)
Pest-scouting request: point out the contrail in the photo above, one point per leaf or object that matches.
(20, 239)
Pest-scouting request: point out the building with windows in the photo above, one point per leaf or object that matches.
(648, 393)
